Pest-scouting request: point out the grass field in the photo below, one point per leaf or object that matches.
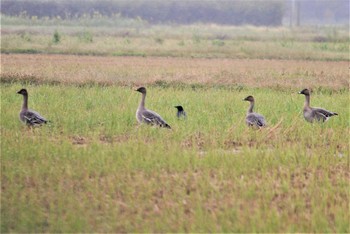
(125, 37)
(94, 169)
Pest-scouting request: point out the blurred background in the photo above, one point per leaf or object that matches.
(234, 12)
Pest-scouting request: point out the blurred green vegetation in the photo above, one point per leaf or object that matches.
(119, 37)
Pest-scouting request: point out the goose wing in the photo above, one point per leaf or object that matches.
(151, 117)
(254, 119)
(322, 114)
(33, 118)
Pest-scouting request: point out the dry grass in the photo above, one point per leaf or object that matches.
(129, 71)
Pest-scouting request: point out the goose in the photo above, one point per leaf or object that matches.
(27, 116)
(253, 119)
(180, 112)
(314, 113)
(143, 115)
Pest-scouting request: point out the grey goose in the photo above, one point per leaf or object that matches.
(143, 115)
(180, 112)
(314, 113)
(253, 119)
(27, 116)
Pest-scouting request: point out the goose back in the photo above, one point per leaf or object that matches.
(152, 118)
(31, 118)
(319, 114)
(255, 119)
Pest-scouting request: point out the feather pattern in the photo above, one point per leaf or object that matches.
(32, 118)
(150, 117)
(254, 119)
(318, 114)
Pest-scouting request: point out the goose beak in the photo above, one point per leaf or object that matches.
(299, 92)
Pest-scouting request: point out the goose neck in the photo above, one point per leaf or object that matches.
(142, 103)
(251, 106)
(25, 102)
(307, 101)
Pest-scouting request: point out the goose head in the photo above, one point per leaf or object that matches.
(141, 90)
(249, 99)
(179, 108)
(306, 92)
(23, 92)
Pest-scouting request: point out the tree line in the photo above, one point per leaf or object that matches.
(238, 12)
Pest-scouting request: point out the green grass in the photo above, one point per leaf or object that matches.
(205, 48)
(93, 169)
